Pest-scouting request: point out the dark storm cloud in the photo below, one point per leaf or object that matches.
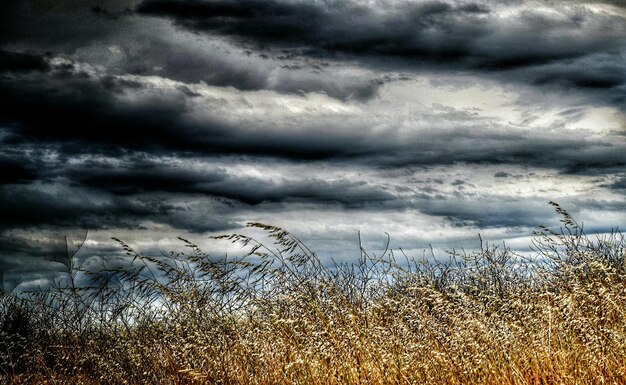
(239, 68)
(106, 33)
(82, 113)
(63, 206)
(13, 171)
(59, 205)
(616, 3)
(426, 30)
(566, 46)
(501, 145)
(250, 191)
(619, 185)
(66, 25)
(533, 46)
(498, 211)
(98, 194)
(77, 112)
(20, 165)
(32, 251)
(488, 211)
(601, 75)
(21, 62)
(445, 32)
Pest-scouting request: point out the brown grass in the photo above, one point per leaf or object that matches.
(280, 316)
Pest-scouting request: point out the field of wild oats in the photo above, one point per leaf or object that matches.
(279, 316)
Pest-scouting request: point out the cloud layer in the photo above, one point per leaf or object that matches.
(568, 45)
(429, 120)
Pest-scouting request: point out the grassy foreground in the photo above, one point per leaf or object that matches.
(279, 316)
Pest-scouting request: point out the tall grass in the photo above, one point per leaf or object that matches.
(278, 315)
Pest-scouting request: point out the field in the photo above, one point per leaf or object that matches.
(278, 315)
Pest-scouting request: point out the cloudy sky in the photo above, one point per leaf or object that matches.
(430, 120)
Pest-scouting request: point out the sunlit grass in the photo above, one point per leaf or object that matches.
(278, 315)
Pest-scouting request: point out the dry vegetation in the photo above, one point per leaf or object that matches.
(279, 316)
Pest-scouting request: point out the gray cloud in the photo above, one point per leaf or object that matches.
(427, 118)
(61, 205)
(294, 46)
(160, 122)
(531, 44)
(490, 211)
(154, 177)
(106, 33)
(618, 185)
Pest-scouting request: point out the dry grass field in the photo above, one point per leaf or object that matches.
(279, 316)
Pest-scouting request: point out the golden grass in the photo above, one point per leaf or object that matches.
(280, 316)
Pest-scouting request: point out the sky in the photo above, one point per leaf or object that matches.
(432, 121)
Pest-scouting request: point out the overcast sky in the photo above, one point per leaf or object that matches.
(432, 121)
